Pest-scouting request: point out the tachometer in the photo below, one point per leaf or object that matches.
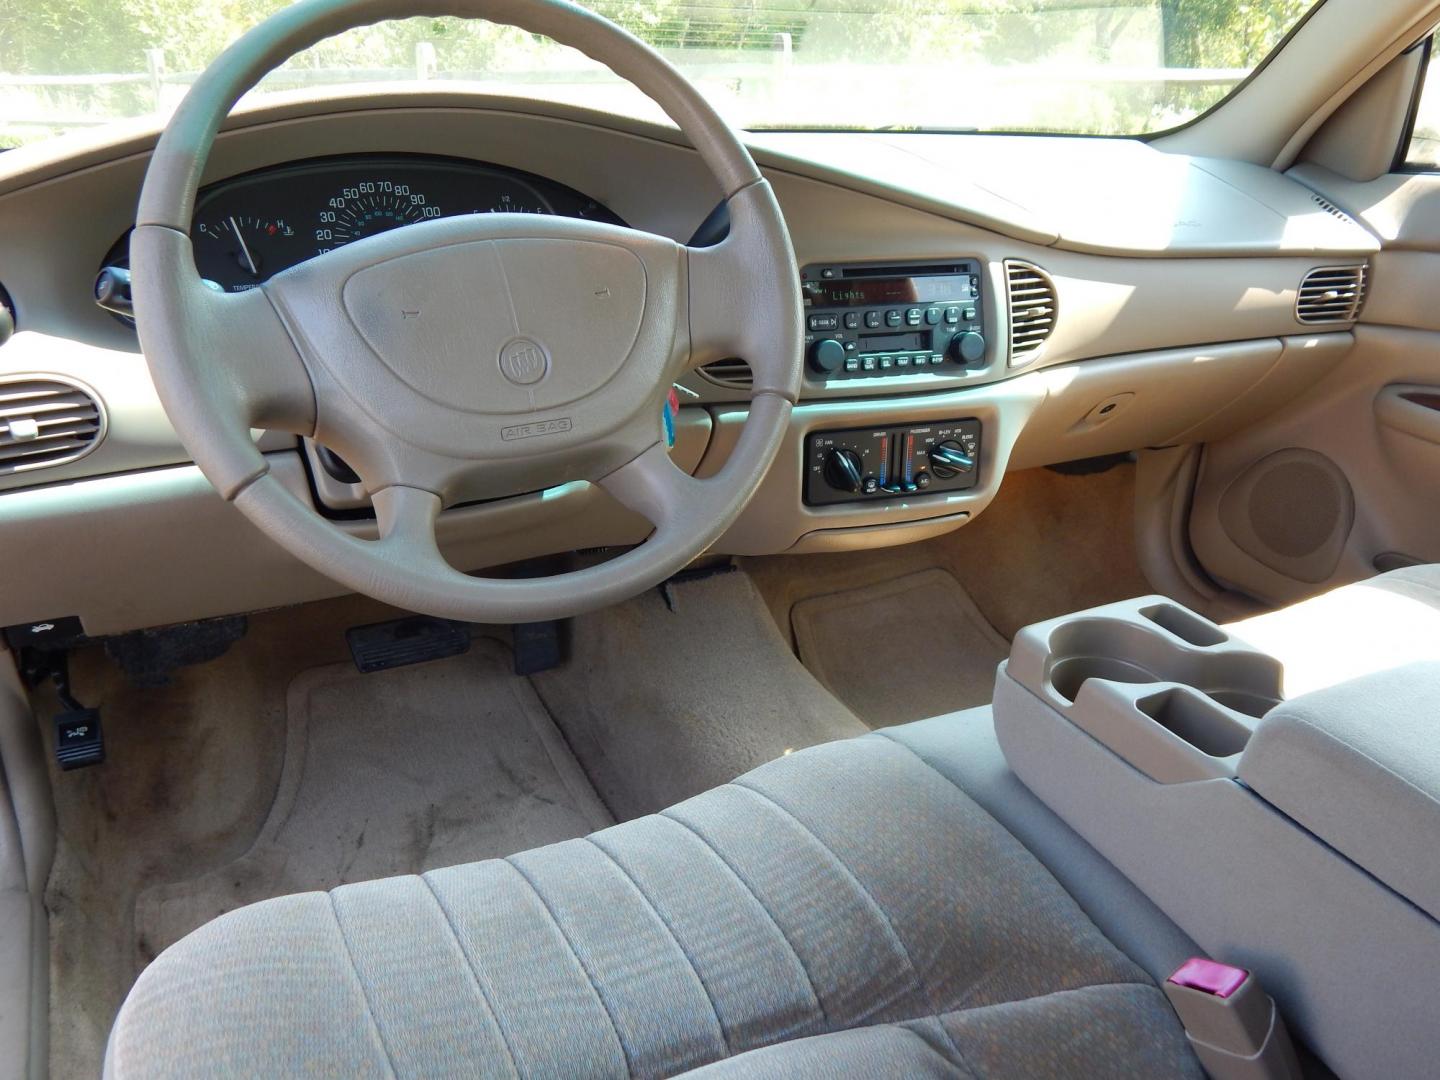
(368, 207)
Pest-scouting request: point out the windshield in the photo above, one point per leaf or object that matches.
(1083, 66)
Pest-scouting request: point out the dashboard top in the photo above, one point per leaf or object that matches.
(1099, 195)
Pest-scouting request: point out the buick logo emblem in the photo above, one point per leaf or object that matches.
(523, 361)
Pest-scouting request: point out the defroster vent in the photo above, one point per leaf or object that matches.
(46, 421)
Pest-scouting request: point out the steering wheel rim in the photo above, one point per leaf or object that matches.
(418, 408)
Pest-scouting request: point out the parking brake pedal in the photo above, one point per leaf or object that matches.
(79, 738)
(412, 640)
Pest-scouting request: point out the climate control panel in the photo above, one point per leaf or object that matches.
(862, 464)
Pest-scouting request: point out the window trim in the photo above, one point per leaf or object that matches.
(1402, 162)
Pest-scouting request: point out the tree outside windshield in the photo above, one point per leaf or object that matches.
(1081, 66)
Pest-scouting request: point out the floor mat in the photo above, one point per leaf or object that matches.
(667, 696)
(385, 775)
(448, 761)
(905, 649)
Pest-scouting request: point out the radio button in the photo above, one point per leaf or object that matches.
(952, 315)
(913, 316)
(892, 318)
(824, 322)
(852, 363)
(872, 319)
(932, 316)
(852, 320)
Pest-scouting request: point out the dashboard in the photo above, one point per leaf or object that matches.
(250, 227)
(1156, 301)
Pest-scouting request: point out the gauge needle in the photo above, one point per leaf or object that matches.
(243, 247)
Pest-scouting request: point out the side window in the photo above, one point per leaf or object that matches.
(1422, 152)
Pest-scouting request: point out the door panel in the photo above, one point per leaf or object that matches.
(1336, 485)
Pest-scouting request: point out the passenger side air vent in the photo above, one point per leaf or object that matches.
(45, 421)
(1031, 297)
(1331, 294)
(731, 373)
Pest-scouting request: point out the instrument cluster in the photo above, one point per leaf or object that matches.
(251, 227)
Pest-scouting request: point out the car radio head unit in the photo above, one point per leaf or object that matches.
(863, 321)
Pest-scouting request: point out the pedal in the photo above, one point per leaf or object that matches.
(412, 640)
(537, 646)
(79, 739)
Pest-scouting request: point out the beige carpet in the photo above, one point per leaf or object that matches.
(900, 650)
(378, 774)
(660, 705)
(1048, 544)
(396, 772)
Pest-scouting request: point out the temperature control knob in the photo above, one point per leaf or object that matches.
(843, 470)
(949, 459)
(827, 356)
(969, 347)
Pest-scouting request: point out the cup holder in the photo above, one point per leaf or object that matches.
(1196, 721)
(1185, 625)
(1166, 691)
(1132, 652)
(1071, 673)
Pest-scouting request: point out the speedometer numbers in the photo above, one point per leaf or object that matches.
(369, 207)
(253, 227)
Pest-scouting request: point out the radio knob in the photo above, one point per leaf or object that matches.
(843, 469)
(969, 347)
(827, 356)
(949, 459)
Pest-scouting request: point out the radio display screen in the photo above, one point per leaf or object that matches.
(878, 292)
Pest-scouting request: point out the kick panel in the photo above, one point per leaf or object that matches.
(863, 464)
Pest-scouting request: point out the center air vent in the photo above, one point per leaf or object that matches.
(1031, 297)
(731, 373)
(1331, 294)
(46, 421)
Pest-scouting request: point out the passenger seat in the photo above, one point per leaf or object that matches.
(1380, 623)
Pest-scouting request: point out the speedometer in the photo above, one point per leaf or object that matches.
(368, 207)
(249, 228)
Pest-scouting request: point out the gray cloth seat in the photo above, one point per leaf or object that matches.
(842, 911)
(1372, 625)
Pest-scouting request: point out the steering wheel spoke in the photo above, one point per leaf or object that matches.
(737, 295)
(657, 489)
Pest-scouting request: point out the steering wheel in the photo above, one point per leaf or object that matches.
(471, 357)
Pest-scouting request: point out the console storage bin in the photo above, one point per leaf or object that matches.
(1164, 741)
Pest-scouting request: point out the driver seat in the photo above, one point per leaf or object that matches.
(843, 911)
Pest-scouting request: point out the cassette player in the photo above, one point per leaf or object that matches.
(873, 320)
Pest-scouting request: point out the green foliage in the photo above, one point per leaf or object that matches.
(56, 37)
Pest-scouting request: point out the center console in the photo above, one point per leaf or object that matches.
(1291, 838)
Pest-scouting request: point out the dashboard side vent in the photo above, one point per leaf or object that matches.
(46, 421)
(1331, 294)
(1030, 295)
(731, 373)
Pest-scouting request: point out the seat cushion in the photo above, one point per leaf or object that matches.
(1355, 630)
(845, 910)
